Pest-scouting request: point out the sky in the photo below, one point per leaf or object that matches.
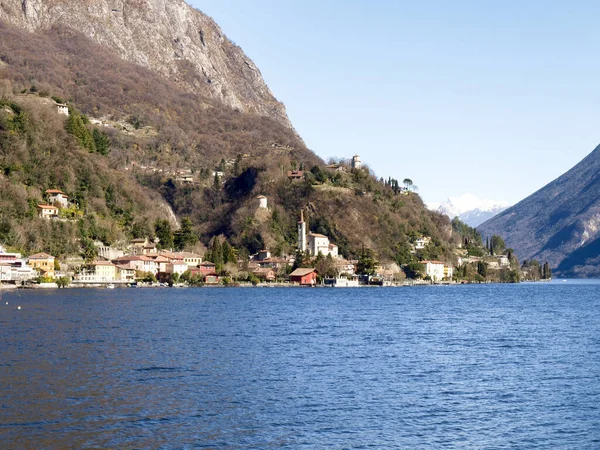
(492, 98)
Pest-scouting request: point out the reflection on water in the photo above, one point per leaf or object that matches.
(464, 366)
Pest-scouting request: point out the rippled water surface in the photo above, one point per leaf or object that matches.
(502, 366)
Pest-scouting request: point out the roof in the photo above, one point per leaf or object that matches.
(140, 240)
(55, 191)
(317, 235)
(41, 256)
(47, 207)
(207, 263)
(332, 246)
(432, 262)
(102, 263)
(261, 196)
(301, 272)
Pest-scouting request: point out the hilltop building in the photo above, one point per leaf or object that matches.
(356, 162)
(56, 196)
(262, 202)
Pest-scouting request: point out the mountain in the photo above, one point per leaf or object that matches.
(560, 223)
(469, 208)
(142, 144)
(168, 37)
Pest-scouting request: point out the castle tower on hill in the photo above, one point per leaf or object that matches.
(302, 233)
(356, 162)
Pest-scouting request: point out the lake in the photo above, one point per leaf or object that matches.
(474, 366)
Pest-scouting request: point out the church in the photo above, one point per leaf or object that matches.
(313, 243)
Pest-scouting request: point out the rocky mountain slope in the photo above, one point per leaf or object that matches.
(469, 208)
(560, 223)
(159, 129)
(166, 36)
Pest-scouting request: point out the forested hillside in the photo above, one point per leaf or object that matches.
(122, 156)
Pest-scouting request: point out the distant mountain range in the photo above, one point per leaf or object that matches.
(469, 208)
(560, 223)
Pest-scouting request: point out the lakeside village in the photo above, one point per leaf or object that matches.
(142, 263)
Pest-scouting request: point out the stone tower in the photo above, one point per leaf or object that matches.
(356, 163)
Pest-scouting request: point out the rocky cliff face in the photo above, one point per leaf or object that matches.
(560, 223)
(167, 36)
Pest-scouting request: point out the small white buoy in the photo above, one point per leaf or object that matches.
(18, 307)
(7, 303)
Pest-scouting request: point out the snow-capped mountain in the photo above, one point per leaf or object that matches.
(469, 208)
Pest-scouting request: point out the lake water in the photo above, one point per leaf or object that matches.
(487, 366)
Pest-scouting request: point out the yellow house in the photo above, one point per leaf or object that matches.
(105, 271)
(43, 263)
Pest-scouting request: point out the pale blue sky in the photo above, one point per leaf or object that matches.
(492, 98)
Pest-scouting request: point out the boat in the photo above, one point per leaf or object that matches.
(110, 286)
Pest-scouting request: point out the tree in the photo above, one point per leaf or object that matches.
(482, 269)
(76, 126)
(546, 271)
(407, 183)
(497, 245)
(414, 270)
(366, 262)
(102, 141)
(162, 230)
(185, 235)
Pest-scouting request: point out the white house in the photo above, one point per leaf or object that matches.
(503, 261)
(177, 266)
(56, 196)
(62, 108)
(47, 211)
(320, 243)
(422, 242)
(262, 202)
(13, 267)
(434, 269)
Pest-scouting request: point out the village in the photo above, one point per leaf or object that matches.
(143, 263)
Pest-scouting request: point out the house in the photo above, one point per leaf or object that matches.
(207, 268)
(47, 211)
(503, 260)
(319, 243)
(434, 269)
(262, 255)
(62, 108)
(218, 173)
(43, 263)
(304, 277)
(57, 197)
(262, 202)
(422, 242)
(344, 266)
(14, 268)
(104, 270)
(274, 263)
(264, 274)
(177, 266)
(295, 175)
(140, 263)
(137, 246)
(191, 259)
(187, 178)
(448, 272)
(125, 273)
(335, 167)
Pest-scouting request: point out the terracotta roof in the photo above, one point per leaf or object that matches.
(55, 191)
(41, 256)
(102, 263)
(301, 272)
(207, 263)
(47, 207)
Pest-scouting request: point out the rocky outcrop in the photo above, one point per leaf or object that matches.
(167, 36)
(560, 223)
